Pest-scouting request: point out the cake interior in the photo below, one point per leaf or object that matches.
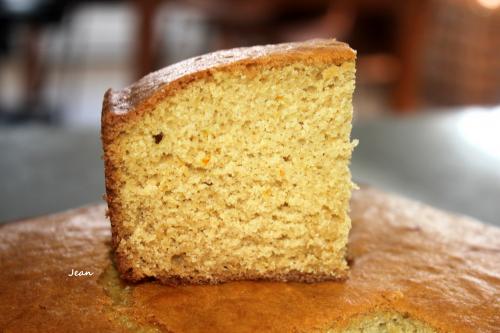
(243, 173)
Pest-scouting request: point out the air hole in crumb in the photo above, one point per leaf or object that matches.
(286, 158)
(165, 157)
(178, 259)
(310, 89)
(158, 137)
(283, 205)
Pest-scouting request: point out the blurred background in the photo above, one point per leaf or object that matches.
(426, 106)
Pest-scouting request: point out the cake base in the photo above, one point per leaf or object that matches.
(413, 269)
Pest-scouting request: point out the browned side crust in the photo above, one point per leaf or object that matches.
(127, 106)
(293, 276)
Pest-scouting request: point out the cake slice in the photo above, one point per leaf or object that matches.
(233, 165)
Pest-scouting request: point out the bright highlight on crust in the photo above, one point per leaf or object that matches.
(489, 4)
(240, 174)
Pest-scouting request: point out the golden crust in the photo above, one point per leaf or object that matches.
(127, 105)
(406, 258)
(36, 257)
(173, 77)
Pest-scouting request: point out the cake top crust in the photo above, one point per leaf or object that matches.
(170, 78)
(406, 258)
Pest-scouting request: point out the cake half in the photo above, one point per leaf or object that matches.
(233, 165)
(414, 269)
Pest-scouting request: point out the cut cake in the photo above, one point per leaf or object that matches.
(233, 165)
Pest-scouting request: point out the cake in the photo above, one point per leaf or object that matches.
(413, 269)
(233, 165)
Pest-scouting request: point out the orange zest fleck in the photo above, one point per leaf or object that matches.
(206, 160)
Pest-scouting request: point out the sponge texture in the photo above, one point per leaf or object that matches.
(242, 173)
